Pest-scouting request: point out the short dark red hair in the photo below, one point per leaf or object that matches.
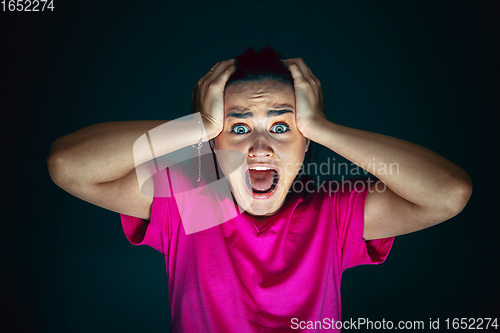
(262, 65)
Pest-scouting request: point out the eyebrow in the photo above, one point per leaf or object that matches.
(271, 113)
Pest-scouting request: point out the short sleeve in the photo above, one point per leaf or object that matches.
(156, 232)
(349, 201)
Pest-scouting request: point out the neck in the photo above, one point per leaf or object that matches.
(262, 218)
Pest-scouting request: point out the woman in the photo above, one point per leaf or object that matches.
(265, 255)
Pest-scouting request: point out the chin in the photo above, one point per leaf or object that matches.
(259, 204)
(260, 208)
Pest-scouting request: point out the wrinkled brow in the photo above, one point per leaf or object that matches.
(271, 113)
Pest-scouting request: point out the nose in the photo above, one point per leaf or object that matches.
(260, 148)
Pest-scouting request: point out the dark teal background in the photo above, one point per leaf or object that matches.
(426, 72)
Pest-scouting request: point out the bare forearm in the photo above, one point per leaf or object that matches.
(104, 152)
(415, 173)
(100, 152)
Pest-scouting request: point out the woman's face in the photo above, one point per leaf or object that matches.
(259, 123)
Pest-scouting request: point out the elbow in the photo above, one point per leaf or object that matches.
(55, 167)
(56, 163)
(459, 195)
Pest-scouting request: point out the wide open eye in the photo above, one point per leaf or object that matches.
(240, 129)
(280, 128)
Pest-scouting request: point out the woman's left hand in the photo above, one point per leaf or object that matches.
(309, 105)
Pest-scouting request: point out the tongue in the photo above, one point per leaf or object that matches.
(261, 180)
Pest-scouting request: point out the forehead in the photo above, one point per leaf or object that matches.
(266, 92)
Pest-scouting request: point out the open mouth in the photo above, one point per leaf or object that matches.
(261, 180)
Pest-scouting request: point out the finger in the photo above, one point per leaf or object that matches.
(204, 77)
(223, 77)
(286, 62)
(312, 75)
(221, 68)
(294, 69)
(306, 72)
(304, 69)
(210, 71)
(314, 78)
(207, 74)
(297, 75)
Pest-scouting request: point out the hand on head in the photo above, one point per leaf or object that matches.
(309, 102)
(208, 95)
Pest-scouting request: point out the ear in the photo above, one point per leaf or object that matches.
(307, 144)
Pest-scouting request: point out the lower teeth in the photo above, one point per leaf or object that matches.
(259, 191)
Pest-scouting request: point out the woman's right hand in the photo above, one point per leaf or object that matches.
(208, 96)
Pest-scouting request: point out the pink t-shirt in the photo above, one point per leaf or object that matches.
(233, 277)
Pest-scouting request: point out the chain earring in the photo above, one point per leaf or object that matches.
(198, 146)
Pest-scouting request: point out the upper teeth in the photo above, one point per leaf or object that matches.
(260, 168)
